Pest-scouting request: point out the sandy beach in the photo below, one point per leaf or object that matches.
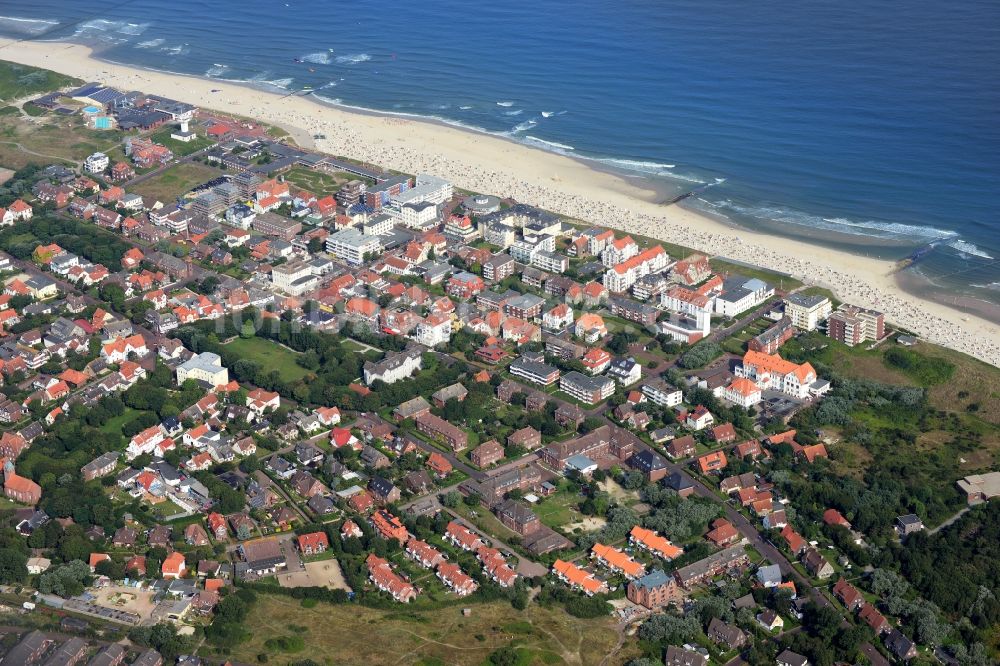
(490, 164)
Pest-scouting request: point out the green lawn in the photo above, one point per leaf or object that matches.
(114, 425)
(176, 181)
(180, 148)
(559, 509)
(270, 355)
(317, 182)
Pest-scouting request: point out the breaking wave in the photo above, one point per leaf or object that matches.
(321, 58)
(27, 26)
(353, 59)
(968, 248)
(870, 228)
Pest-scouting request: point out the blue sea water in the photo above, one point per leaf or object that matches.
(874, 126)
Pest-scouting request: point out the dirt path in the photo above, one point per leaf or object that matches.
(31, 152)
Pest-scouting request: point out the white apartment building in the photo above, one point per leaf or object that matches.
(769, 371)
(295, 277)
(426, 188)
(662, 393)
(393, 368)
(415, 215)
(807, 311)
(685, 301)
(96, 163)
(742, 392)
(623, 275)
(205, 367)
(737, 298)
(617, 251)
(352, 244)
(378, 225)
(550, 261)
(433, 330)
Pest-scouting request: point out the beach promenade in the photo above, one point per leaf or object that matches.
(491, 164)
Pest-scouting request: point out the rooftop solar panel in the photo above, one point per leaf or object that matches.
(86, 90)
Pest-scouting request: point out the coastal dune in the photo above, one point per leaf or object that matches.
(490, 164)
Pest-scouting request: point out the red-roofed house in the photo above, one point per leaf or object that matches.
(313, 543)
(173, 566)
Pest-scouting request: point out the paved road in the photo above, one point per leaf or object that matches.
(948, 522)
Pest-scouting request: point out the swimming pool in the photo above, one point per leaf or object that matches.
(91, 109)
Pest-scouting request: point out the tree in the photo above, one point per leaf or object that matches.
(248, 330)
(504, 656)
(669, 629)
(13, 566)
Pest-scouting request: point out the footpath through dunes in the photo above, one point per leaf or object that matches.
(491, 164)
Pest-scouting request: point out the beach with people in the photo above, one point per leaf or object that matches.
(490, 164)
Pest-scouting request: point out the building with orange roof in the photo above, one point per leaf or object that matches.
(590, 327)
(773, 372)
(795, 542)
(132, 258)
(652, 542)
(423, 553)
(723, 533)
(617, 250)
(389, 526)
(21, 211)
(596, 360)
(439, 465)
(786, 437)
(578, 578)
(461, 536)
(381, 574)
(692, 269)
(623, 275)
(712, 462)
(742, 392)
(812, 452)
(313, 543)
(97, 558)
(20, 489)
(173, 566)
(118, 350)
(455, 579)
(617, 560)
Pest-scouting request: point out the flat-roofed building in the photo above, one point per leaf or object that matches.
(206, 368)
(590, 390)
(295, 277)
(353, 245)
(853, 325)
(807, 311)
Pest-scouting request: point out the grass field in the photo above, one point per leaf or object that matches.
(270, 355)
(180, 148)
(114, 424)
(559, 509)
(779, 281)
(317, 182)
(175, 181)
(20, 81)
(440, 636)
(49, 139)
